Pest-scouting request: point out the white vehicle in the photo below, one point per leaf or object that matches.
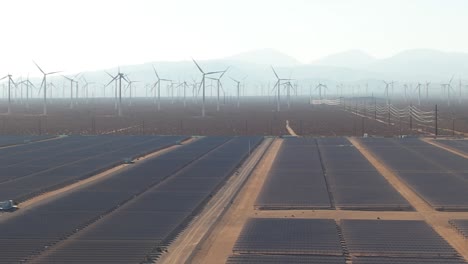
(8, 205)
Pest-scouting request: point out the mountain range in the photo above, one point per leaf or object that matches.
(354, 66)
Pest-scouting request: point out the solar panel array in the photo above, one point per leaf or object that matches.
(438, 176)
(461, 226)
(282, 259)
(394, 238)
(14, 140)
(386, 260)
(289, 236)
(35, 168)
(296, 179)
(41, 227)
(143, 227)
(458, 144)
(354, 181)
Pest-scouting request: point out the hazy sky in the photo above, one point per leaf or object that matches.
(75, 35)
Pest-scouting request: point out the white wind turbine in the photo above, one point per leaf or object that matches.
(202, 84)
(157, 85)
(44, 83)
(72, 80)
(119, 78)
(218, 86)
(10, 81)
(278, 87)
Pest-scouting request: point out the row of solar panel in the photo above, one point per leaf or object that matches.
(158, 215)
(307, 172)
(145, 217)
(323, 241)
(296, 179)
(49, 223)
(354, 182)
(72, 160)
(461, 226)
(439, 176)
(14, 140)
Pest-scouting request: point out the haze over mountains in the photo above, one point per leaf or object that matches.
(348, 66)
(352, 67)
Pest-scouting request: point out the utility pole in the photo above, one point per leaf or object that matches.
(411, 117)
(436, 128)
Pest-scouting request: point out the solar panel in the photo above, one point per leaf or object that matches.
(296, 180)
(461, 226)
(149, 222)
(50, 222)
(398, 238)
(289, 236)
(387, 260)
(281, 259)
(436, 174)
(354, 182)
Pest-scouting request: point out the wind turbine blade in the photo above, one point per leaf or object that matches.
(39, 67)
(451, 79)
(110, 81)
(224, 72)
(213, 72)
(53, 72)
(67, 78)
(275, 72)
(198, 66)
(110, 75)
(155, 72)
(4, 77)
(40, 88)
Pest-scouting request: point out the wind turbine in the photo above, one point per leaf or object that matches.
(184, 86)
(119, 78)
(387, 84)
(86, 88)
(278, 86)
(129, 86)
(448, 86)
(28, 82)
(44, 82)
(288, 86)
(158, 85)
(218, 86)
(319, 87)
(72, 80)
(418, 88)
(427, 90)
(238, 91)
(202, 84)
(10, 81)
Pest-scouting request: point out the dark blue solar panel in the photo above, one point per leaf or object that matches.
(398, 238)
(282, 259)
(387, 260)
(296, 180)
(354, 182)
(158, 214)
(289, 236)
(436, 174)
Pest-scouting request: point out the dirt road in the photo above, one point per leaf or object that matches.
(218, 245)
(182, 249)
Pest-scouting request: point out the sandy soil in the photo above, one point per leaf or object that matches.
(257, 116)
(218, 245)
(290, 130)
